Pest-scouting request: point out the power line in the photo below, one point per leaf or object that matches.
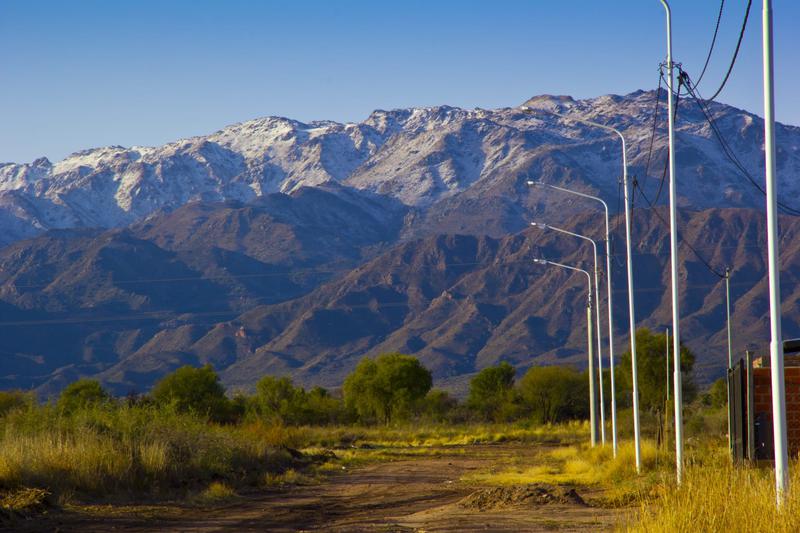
(684, 241)
(735, 53)
(713, 42)
(726, 149)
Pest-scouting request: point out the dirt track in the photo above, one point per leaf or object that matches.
(417, 494)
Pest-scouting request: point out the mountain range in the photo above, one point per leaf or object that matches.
(274, 246)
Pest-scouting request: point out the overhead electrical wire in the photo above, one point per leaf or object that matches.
(735, 52)
(729, 153)
(713, 42)
(684, 241)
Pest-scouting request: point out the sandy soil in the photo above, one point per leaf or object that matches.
(420, 494)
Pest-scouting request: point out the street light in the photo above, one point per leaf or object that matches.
(612, 368)
(673, 252)
(631, 316)
(597, 316)
(776, 341)
(592, 395)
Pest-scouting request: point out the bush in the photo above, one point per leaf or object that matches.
(194, 390)
(439, 406)
(81, 394)
(279, 400)
(491, 392)
(14, 399)
(652, 371)
(555, 393)
(387, 388)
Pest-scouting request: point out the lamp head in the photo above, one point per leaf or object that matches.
(539, 225)
(532, 183)
(539, 261)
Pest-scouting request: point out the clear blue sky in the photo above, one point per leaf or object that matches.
(88, 73)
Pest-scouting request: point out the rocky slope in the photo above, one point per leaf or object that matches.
(276, 246)
(442, 160)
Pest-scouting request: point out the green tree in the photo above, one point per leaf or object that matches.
(555, 393)
(491, 391)
(81, 394)
(195, 390)
(386, 388)
(439, 405)
(279, 399)
(651, 360)
(717, 395)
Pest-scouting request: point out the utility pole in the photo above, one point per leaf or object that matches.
(673, 241)
(612, 367)
(592, 393)
(637, 435)
(730, 355)
(597, 315)
(776, 340)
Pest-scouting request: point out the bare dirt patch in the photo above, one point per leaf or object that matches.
(420, 493)
(524, 495)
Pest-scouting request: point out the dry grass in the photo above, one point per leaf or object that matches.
(129, 450)
(216, 492)
(576, 465)
(428, 436)
(720, 497)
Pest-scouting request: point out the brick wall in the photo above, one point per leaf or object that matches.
(762, 399)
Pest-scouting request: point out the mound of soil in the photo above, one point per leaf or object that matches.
(520, 495)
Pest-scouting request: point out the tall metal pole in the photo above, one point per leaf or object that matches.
(728, 314)
(592, 393)
(730, 354)
(597, 315)
(776, 341)
(637, 437)
(667, 357)
(673, 241)
(612, 367)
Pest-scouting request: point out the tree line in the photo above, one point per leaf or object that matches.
(394, 387)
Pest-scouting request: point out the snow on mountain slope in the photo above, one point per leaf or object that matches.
(420, 156)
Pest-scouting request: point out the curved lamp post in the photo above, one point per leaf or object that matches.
(631, 314)
(597, 316)
(612, 368)
(592, 395)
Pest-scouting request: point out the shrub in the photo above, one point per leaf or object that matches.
(491, 391)
(194, 390)
(14, 399)
(555, 393)
(389, 387)
(81, 394)
(652, 370)
(439, 406)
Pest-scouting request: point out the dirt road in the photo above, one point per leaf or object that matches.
(423, 493)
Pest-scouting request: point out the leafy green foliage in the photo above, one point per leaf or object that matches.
(81, 394)
(194, 390)
(555, 393)
(651, 360)
(387, 388)
(717, 395)
(439, 406)
(491, 392)
(280, 400)
(14, 399)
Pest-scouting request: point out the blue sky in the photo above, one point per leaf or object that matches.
(91, 73)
